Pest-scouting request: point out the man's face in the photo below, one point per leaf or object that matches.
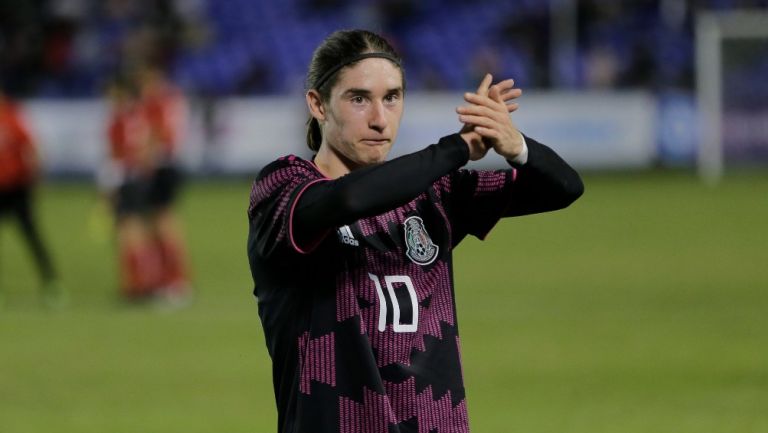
(363, 113)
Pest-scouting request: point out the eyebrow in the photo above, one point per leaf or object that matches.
(366, 92)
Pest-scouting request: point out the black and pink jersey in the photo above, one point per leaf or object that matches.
(361, 325)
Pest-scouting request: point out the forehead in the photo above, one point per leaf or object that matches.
(370, 74)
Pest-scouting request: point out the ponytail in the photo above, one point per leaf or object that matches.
(314, 134)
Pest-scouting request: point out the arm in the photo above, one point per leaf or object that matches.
(373, 190)
(544, 183)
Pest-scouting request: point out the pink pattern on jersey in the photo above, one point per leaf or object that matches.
(346, 296)
(317, 361)
(267, 186)
(401, 404)
(394, 346)
(443, 186)
(373, 416)
(283, 182)
(491, 181)
(380, 223)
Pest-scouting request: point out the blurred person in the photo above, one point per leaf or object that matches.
(141, 184)
(125, 179)
(19, 173)
(351, 254)
(165, 107)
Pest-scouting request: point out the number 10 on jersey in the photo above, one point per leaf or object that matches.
(389, 282)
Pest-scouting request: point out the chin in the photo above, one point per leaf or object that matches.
(371, 158)
(380, 154)
(378, 159)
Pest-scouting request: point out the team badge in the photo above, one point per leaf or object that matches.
(420, 248)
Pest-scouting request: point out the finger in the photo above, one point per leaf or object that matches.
(488, 133)
(510, 94)
(483, 101)
(505, 85)
(485, 84)
(477, 121)
(498, 115)
(477, 110)
(502, 87)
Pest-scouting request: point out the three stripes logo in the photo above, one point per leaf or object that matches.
(346, 237)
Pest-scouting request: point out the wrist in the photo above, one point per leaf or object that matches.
(520, 156)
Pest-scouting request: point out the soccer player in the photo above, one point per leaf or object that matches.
(142, 183)
(19, 171)
(126, 180)
(165, 107)
(351, 254)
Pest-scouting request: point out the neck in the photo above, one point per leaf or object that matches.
(332, 164)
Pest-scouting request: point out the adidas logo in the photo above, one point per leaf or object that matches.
(346, 237)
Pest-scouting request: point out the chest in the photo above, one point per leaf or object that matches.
(417, 233)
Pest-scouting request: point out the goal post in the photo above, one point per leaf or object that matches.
(714, 30)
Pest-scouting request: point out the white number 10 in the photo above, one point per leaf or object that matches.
(389, 281)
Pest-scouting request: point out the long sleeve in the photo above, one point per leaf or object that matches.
(477, 199)
(373, 190)
(544, 183)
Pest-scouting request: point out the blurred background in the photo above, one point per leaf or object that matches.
(242, 64)
(641, 308)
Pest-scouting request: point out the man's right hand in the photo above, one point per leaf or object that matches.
(477, 147)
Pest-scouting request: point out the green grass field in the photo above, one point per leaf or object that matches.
(642, 308)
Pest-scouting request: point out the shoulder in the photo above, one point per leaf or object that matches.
(289, 167)
(284, 174)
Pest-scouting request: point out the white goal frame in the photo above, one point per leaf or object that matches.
(712, 28)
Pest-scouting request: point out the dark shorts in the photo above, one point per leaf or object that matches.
(145, 195)
(164, 187)
(14, 200)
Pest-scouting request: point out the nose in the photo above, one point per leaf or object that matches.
(377, 119)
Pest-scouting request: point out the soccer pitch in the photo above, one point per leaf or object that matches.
(642, 308)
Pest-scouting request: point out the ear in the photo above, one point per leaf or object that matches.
(315, 105)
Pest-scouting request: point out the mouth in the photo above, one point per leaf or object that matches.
(375, 141)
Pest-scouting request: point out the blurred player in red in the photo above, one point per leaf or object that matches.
(19, 171)
(126, 179)
(165, 108)
(143, 132)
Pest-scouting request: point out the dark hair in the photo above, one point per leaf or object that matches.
(335, 49)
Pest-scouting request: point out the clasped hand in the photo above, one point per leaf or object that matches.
(486, 119)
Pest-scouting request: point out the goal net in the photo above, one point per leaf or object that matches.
(732, 91)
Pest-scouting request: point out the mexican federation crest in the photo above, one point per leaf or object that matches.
(420, 248)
